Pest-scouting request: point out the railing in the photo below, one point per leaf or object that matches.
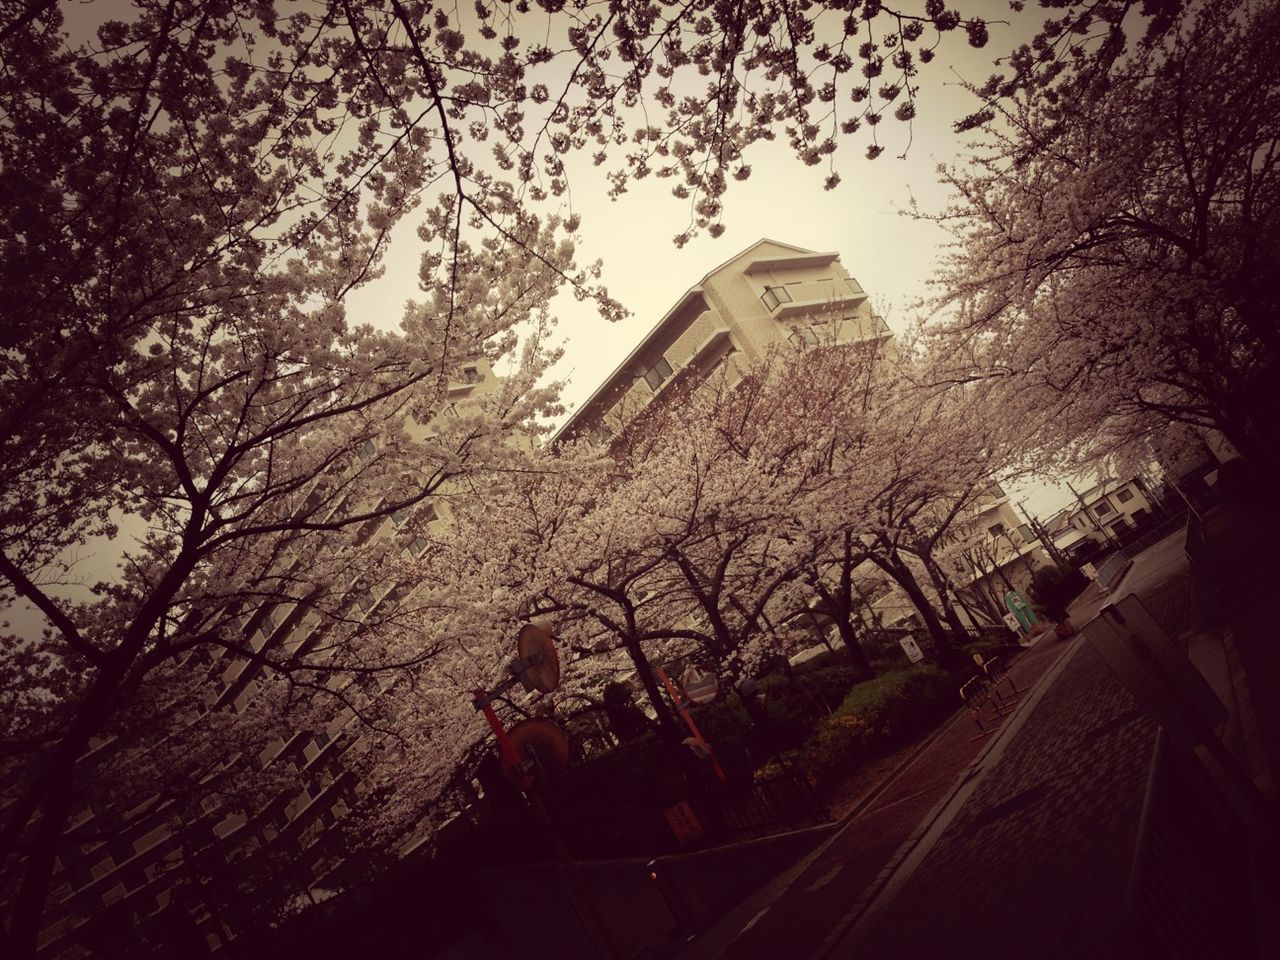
(1113, 567)
(1189, 889)
(1154, 535)
(780, 803)
(803, 297)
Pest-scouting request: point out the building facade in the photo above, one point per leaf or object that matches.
(1102, 516)
(769, 294)
(122, 887)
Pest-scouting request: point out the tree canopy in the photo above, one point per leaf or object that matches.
(193, 190)
(1114, 256)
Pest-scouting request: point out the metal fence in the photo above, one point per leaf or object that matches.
(1154, 535)
(1189, 893)
(783, 802)
(1113, 567)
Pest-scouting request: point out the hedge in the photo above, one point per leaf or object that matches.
(876, 717)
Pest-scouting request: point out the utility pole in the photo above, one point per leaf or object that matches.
(1042, 535)
(1092, 519)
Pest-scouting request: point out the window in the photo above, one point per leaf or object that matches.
(1125, 495)
(1103, 508)
(268, 623)
(471, 375)
(657, 373)
(996, 530)
(773, 296)
(1024, 531)
(802, 335)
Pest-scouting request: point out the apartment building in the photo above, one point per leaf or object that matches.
(768, 294)
(120, 890)
(995, 550)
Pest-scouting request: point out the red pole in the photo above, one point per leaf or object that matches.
(693, 727)
(505, 747)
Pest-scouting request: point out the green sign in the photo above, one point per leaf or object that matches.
(1020, 608)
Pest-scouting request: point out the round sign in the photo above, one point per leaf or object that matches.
(546, 738)
(535, 643)
(700, 687)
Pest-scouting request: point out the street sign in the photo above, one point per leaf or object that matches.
(1012, 623)
(700, 686)
(911, 649)
(539, 662)
(547, 741)
(683, 822)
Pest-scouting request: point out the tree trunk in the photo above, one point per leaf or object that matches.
(51, 794)
(849, 637)
(902, 575)
(959, 632)
(667, 726)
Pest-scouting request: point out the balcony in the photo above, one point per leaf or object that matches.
(816, 296)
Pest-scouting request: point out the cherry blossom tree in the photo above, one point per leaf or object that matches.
(192, 192)
(1113, 265)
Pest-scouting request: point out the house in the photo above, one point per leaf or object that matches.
(1102, 516)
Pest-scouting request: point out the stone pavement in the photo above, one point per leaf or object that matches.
(1018, 845)
(1040, 860)
(805, 910)
(1035, 864)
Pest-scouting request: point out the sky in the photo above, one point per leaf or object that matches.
(891, 254)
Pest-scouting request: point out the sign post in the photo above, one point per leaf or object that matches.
(911, 648)
(537, 667)
(682, 707)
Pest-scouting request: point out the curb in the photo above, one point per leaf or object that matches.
(852, 929)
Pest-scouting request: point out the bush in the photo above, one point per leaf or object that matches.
(876, 717)
(836, 748)
(1052, 591)
(990, 648)
(632, 771)
(898, 703)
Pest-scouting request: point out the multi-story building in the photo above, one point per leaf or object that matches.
(119, 890)
(994, 550)
(768, 294)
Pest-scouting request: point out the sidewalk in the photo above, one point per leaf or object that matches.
(804, 910)
(1018, 845)
(1041, 861)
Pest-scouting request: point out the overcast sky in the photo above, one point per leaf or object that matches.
(891, 254)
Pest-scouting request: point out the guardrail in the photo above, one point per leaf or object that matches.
(1189, 891)
(783, 802)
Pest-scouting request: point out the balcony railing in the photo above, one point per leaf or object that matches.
(797, 298)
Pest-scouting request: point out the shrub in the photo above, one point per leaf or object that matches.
(990, 648)
(901, 702)
(836, 748)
